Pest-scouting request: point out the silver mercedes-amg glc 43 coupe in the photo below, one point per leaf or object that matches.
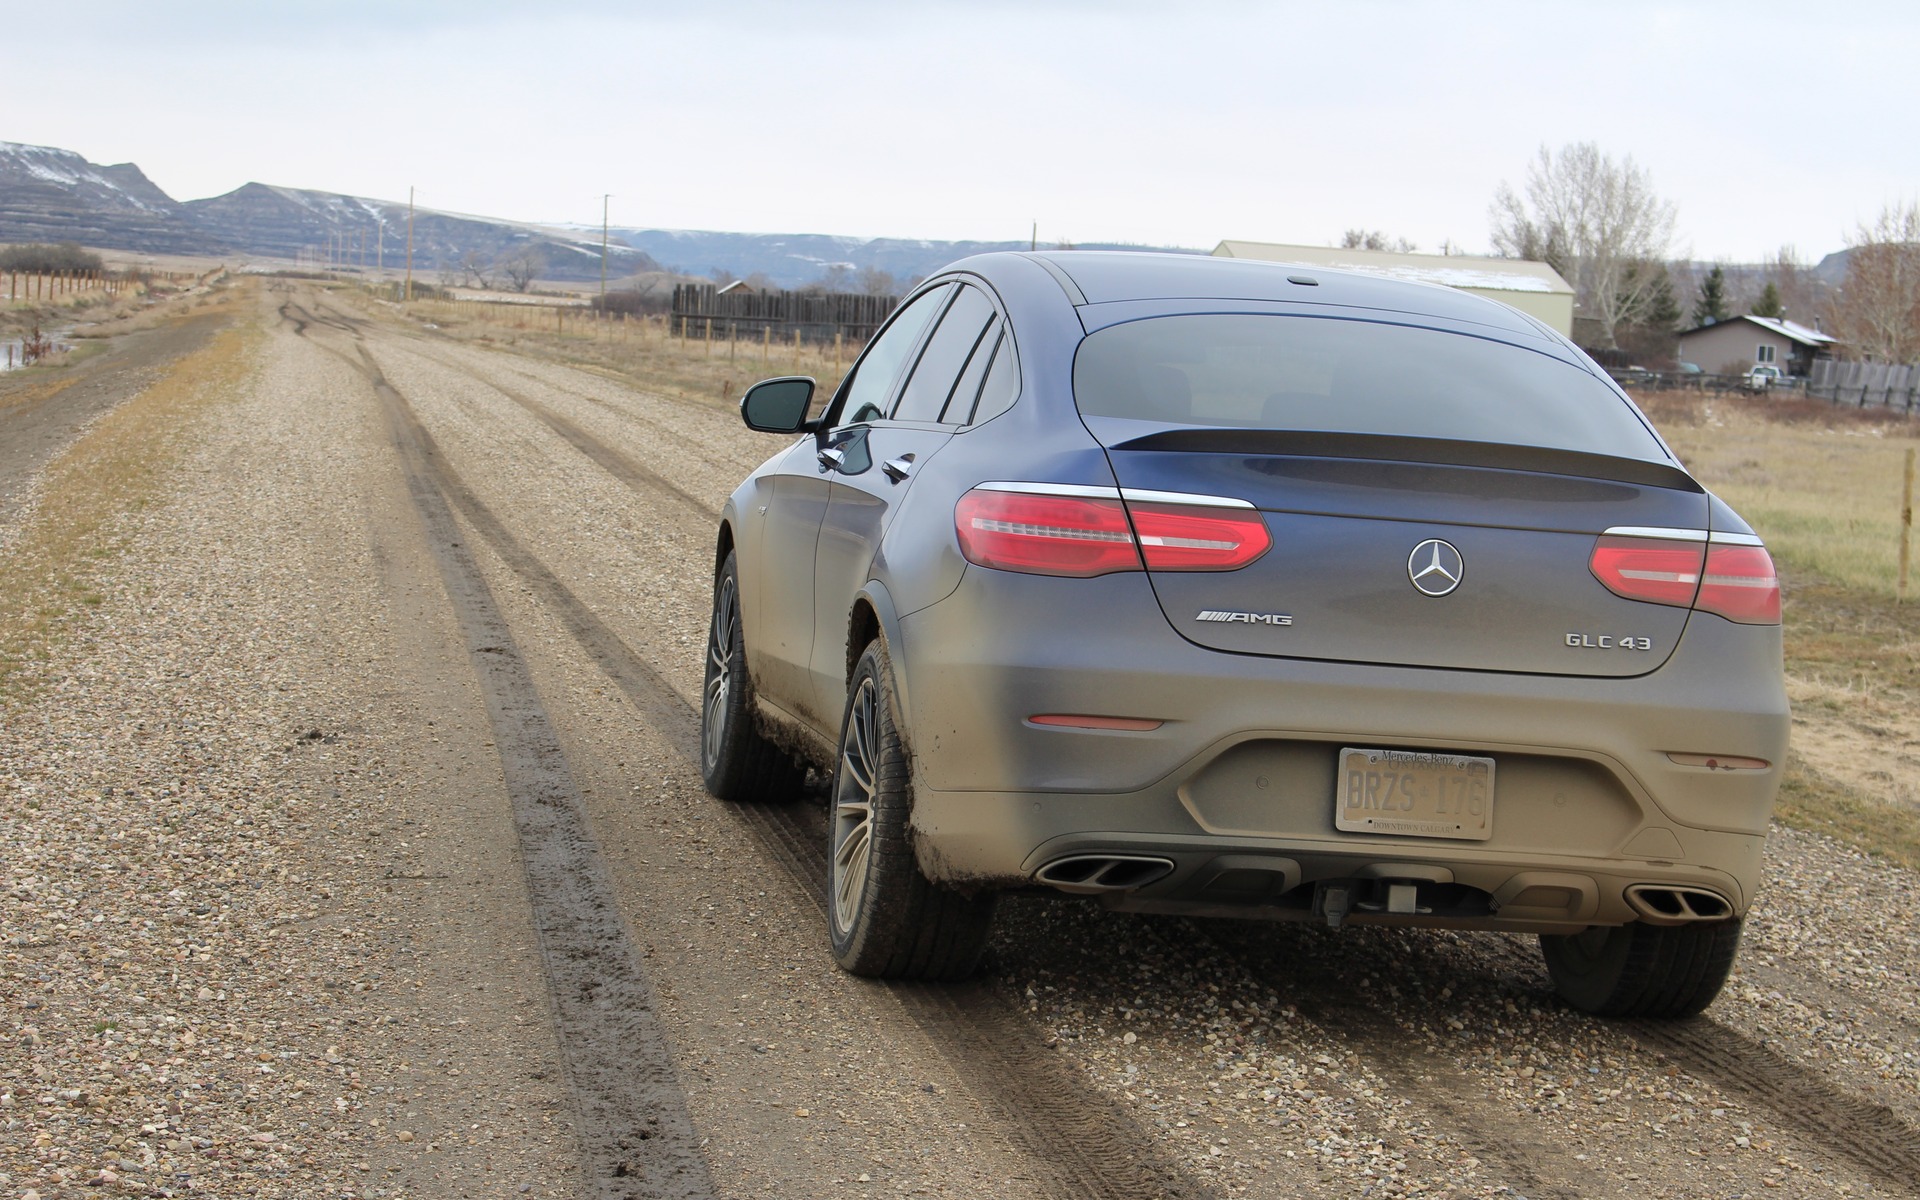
(1209, 587)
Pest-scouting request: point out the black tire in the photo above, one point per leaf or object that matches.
(736, 761)
(883, 916)
(1641, 970)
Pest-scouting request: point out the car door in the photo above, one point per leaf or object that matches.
(869, 483)
(777, 586)
(783, 608)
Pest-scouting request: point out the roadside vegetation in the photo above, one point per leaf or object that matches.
(1823, 485)
(638, 349)
(58, 557)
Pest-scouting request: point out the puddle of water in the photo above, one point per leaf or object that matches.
(13, 354)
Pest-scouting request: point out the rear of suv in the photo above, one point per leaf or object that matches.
(1317, 598)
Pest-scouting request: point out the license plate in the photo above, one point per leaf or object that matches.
(1411, 793)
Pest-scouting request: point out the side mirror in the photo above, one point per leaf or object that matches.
(777, 405)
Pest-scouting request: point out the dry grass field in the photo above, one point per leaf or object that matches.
(1823, 486)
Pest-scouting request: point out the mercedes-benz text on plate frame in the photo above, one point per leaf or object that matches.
(1413, 792)
(1167, 602)
(1435, 567)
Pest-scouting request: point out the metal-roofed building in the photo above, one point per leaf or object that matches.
(1738, 344)
(1534, 288)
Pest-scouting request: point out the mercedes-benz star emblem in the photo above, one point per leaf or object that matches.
(1435, 567)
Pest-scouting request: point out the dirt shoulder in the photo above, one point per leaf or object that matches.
(42, 411)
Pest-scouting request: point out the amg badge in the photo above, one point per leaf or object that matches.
(1250, 618)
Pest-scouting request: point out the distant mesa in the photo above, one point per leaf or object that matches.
(52, 195)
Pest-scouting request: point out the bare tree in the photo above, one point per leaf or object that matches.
(523, 266)
(1595, 221)
(1876, 312)
(475, 271)
(875, 282)
(838, 277)
(1802, 295)
(1373, 239)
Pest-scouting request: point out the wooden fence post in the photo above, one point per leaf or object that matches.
(1906, 529)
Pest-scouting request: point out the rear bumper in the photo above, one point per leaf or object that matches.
(1238, 780)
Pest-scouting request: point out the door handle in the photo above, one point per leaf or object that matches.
(898, 468)
(831, 458)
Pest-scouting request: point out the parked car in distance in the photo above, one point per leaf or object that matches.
(1687, 368)
(1209, 587)
(1763, 376)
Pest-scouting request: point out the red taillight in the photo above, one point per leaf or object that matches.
(1178, 537)
(1740, 585)
(1045, 533)
(1733, 581)
(1651, 569)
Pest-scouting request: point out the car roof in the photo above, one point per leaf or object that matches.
(1119, 276)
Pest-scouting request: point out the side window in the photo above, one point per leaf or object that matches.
(866, 396)
(959, 408)
(1765, 354)
(925, 395)
(1002, 387)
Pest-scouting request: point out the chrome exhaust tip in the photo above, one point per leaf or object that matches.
(1092, 874)
(1671, 904)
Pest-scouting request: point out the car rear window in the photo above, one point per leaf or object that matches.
(1346, 376)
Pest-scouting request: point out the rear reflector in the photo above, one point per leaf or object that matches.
(1086, 721)
(1050, 533)
(1730, 579)
(1719, 762)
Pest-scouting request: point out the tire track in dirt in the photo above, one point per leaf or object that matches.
(1457, 1103)
(1871, 1135)
(1077, 1142)
(631, 1115)
(1868, 1134)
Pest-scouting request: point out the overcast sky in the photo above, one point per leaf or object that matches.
(1179, 122)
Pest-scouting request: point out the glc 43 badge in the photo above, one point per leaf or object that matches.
(1607, 641)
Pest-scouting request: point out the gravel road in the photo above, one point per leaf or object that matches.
(352, 847)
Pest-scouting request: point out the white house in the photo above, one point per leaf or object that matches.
(1534, 288)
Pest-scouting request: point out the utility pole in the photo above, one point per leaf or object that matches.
(380, 246)
(603, 250)
(409, 292)
(1033, 243)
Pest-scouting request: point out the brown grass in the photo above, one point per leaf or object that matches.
(1819, 803)
(1822, 485)
(61, 559)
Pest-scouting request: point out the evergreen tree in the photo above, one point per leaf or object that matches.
(1768, 305)
(1663, 310)
(1712, 305)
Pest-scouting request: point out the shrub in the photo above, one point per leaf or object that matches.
(41, 257)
